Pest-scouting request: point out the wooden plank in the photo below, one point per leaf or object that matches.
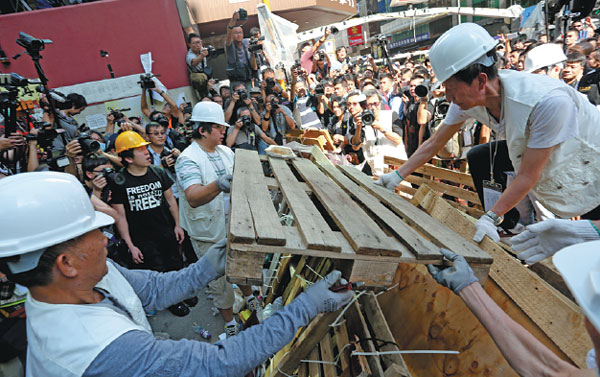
(421, 247)
(305, 343)
(373, 274)
(241, 227)
(559, 318)
(445, 188)
(244, 268)
(273, 185)
(303, 370)
(313, 228)
(326, 348)
(342, 342)
(314, 369)
(364, 234)
(437, 232)
(380, 330)
(267, 226)
(358, 326)
(434, 171)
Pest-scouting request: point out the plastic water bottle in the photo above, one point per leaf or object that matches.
(202, 332)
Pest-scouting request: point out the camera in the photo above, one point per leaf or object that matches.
(321, 55)
(146, 81)
(118, 113)
(161, 119)
(320, 89)
(270, 83)
(253, 44)
(381, 40)
(242, 94)
(246, 122)
(422, 90)
(163, 160)
(45, 135)
(113, 178)
(441, 108)
(367, 117)
(242, 14)
(274, 104)
(88, 145)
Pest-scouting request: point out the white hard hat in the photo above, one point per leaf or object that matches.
(40, 210)
(209, 112)
(544, 56)
(460, 47)
(579, 266)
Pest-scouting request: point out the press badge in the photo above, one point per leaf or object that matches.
(491, 193)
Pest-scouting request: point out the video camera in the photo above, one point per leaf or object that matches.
(118, 113)
(146, 81)
(242, 14)
(254, 44)
(381, 40)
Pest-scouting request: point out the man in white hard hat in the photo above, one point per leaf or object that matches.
(204, 171)
(85, 314)
(551, 131)
(579, 265)
(546, 59)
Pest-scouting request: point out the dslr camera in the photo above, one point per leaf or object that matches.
(113, 178)
(321, 55)
(367, 117)
(242, 14)
(146, 81)
(242, 94)
(88, 145)
(118, 113)
(163, 160)
(246, 122)
(254, 44)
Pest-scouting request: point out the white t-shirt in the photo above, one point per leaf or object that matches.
(552, 121)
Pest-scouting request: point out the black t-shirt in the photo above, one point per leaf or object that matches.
(411, 127)
(146, 208)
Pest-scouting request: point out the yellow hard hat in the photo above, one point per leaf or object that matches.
(129, 140)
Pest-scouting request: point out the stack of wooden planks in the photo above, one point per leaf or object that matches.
(338, 213)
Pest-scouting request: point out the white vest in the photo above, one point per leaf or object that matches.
(205, 222)
(377, 145)
(64, 339)
(570, 182)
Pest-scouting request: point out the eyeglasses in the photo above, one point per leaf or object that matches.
(158, 133)
(373, 104)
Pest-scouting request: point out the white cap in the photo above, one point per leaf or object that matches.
(579, 266)
(544, 56)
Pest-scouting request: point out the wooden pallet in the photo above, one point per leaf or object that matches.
(450, 183)
(339, 213)
(422, 314)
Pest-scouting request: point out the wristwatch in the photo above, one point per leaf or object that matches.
(495, 218)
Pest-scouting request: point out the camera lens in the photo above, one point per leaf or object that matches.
(421, 90)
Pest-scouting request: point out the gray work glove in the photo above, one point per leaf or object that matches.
(390, 180)
(456, 277)
(216, 256)
(541, 240)
(324, 299)
(224, 183)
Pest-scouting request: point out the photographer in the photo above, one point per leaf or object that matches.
(338, 123)
(321, 64)
(239, 98)
(160, 154)
(304, 102)
(245, 133)
(276, 121)
(169, 110)
(341, 60)
(270, 86)
(256, 39)
(240, 60)
(308, 51)
(356, 104)
(383, 136)
(66, 121)
(198, 68)
(418, 115)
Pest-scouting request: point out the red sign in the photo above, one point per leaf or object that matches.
(355, 36)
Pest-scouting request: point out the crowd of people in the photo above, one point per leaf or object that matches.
(154, 190)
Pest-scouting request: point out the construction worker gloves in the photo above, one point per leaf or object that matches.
(224, 182)
(455, 277)
(324, 299)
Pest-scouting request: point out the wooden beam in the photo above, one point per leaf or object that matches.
(341, 342)
(434, 171)
(241, 227)
(380, 330)
(244, 268)
(307, 340)
(314, 230)
(329, 370)
(445, 188)
(437, 232)
(421, 247)
(314, 369)
(365, 236)
(358, 326)
(559, 318)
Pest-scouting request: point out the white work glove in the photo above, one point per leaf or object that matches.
(485, 227)
(216, 256)
(390, 180)
(455, 277)
(224, 183)
(324, 299)
(541, 240)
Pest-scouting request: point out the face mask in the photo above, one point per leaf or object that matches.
(102, 147)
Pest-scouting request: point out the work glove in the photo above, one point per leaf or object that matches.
(541, 240)
(216, 256)
(390, 180)
(324, 299)
(485, 227)
(455, 277)
(224, 183)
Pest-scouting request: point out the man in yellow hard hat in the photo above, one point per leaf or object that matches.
(150, 215)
